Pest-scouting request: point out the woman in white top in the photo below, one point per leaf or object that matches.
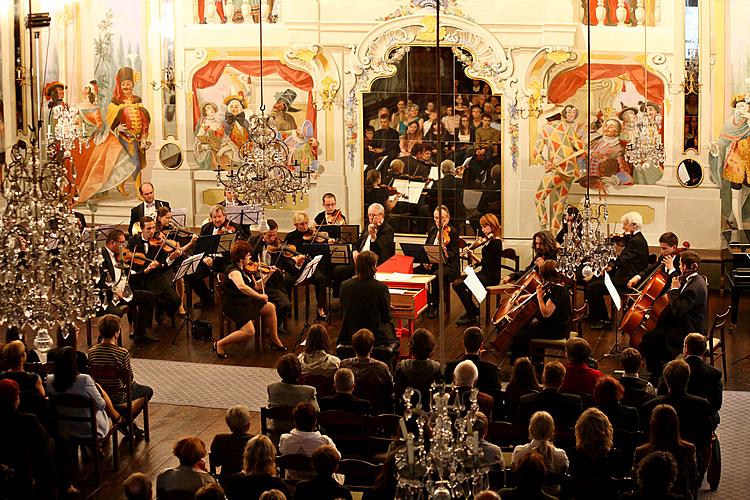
(541, 430)
(315, 359)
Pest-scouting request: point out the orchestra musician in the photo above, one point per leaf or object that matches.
(230, 199)
(156, 273)
(305, 233)
(687, 293)
(553, 318)
(376, 193)
(147, 208)
(243, 303)
(669, 257)
(331, 216)
(142, 300)
(451, 268)
(489, 273)
(632, 260)
(419, 162)
(211, 263)
(544, 248)
(166, 232)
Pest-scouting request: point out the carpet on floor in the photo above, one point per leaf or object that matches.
(205, 385)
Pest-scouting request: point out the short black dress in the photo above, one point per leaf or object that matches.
(239, 307)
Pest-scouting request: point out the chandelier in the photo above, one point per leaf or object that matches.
(267, 176)
(443, 459)
(646, 148)
(48, 268)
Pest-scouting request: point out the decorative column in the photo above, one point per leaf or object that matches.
(601, 13)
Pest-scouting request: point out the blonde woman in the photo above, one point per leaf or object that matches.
(259, 472)
(541, 431)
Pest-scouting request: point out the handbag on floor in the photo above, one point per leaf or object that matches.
(202, 330)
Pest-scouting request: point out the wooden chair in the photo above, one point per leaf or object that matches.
(497, 290)
(507, 434)
(716, 346)
(275, 421)
(72, 404)
(132, 407)
(359, 475)
(323, 383)
(296, 462)
(346, 429)
(558, 345)
(382, 432)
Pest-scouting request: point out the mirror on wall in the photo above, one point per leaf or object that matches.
(170, 156)
(168, 90)
(691, 86)
(20, 70)
(403, 130)
(689, 173)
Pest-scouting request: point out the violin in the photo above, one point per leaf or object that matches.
(254, 267)
(620, 238)
(336, 218)
(315, 236)
(468, 252)
(286, 250)
(226, 228)
(137, 258)
(167, 245)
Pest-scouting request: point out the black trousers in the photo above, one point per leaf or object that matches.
(596, 291)
(198, 284)
(465, 295)
(280, 298)
(341, 273)
(163, 289)
(143, 302)
(433, 295)
(534, 330)
(658, 347)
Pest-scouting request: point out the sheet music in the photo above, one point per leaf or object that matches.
(475, 286)
(433, 173)
(415, 191)
(179, 216)
(402, 186)
(612, 291)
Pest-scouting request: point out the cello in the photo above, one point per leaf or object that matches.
(515, 311)
(651, 302)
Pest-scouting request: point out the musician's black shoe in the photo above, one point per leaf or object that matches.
(601, 325)
(159, 316)
(466, 319)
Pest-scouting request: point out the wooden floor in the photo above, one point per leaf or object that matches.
(171, 422)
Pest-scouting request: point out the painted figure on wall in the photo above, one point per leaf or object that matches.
(281, 110)
(607, 163)
(730, 157)
(208, 139)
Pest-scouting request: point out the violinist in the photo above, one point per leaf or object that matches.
(632, 260)
(687, 293)
(217, 225)
(442, 233)
(489, 273)
(377, 193)
(331, 216)
(111, 271)
(230, 199)
(304, 233)
(156, 274)
(147, 208)
(669, 258)
(419, 162)
(243, 303)
(168, 235)
(552, 321)
(544, 248)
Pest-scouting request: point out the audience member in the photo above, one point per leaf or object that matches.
(486, 495)
(138, 486)
(32, 389)
(541, 432)
(656, 475)
(464, 380)
(259, 472)
(580, 378)
(212, 491)
(637, 390)
(564, 408)
(529, 476)
(608, 393)
(705, 380)
(522, 381)
(304, 439)
(372, 377)
(288, 392)
(419, 372)
(665, 436)
(323, 486)
(384, 486)
(489, 375)
(315, 359)
(344, 399)
(273, 494)
(192, 472)
(493, 454)
(227, 450)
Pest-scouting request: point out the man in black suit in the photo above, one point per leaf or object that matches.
(489, 376)
(331, 214)
(147, 208)
(564, 408)
(211, 263)
(686, 314)
(143, 300)
(451, 268)
(669, 258)
(632, 260)
(697, 418)
(452, 185)
(344, 399)
(230, 199)
(418, 162)
(385, 141)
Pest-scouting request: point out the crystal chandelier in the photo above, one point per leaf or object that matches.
(48, 270)
(443, 460)
(67, 129)
(646, 148)
(267, 176)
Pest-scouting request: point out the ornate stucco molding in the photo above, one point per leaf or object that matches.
(318, 62)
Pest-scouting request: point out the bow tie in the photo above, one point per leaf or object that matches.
(239, 119)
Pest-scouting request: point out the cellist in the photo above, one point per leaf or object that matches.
(669, 257)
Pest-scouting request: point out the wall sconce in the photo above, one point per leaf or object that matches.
(691, 83)
(529, 105)
(168, 81)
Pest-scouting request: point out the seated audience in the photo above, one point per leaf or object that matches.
(344, 399)
(608, 394)
(273, 494)
(228, 449)
(529, 476)
(665, 436)
(464, 379)
(564, 408)
(384, 487)
(258, 473)
(288, 392)
(304, 439)
(137, 486)
(419, 372)
(315, 359)
(522, 382)
(486, 495)
(323, 486)
(372, 378)
(580, 378)
(637, 390)
(493, 454)
(656, 475)
(212, 491)
(489, 375)
(594, 462)
(541, 432)
(192, 472)
(33, 399)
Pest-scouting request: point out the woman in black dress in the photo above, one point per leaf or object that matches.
(243, 303)
(489, 274)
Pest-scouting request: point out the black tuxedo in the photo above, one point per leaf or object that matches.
(342, 401)
(453, 197)
(705, 382)
(697, 418)
(142, 302)
(138, 211)
(489, 375)
(564, 408)
(384, 245)
(417, 168)
(320, 219)
(388, 139)
(366, 304)
(451, 268)
(159, 280)
(238, 203)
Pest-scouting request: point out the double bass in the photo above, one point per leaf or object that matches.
(649, 305)
(516, 310)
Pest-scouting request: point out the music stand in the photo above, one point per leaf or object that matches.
(423, 254)
(616, 349)
(307, 272)
(243, 215)
(179, 216)
(215, 244)
(340, 253)
(349, 234)
(188, 267)
(333, 231)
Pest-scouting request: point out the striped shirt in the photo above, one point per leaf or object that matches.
(112, 355)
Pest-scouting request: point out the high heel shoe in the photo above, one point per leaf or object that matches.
(219, 355)
(280, 348)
